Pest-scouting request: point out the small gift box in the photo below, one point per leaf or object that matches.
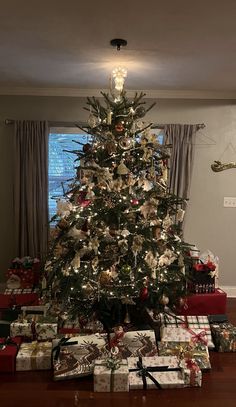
(183, 350)
(224, 336)
(190, 323)
(8, 351)
(43, 329)
(174, 334)
(162, 372)
(134, 343)
(34, 356)
(111, 375)
(75, 357)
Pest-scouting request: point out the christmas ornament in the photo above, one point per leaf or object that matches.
(156, 231)
(119, 127)
(87, 148)
(76, 261)
(110, 146)
(137, 243)
(63, 224)
(123, 245)
(134, 201)
(126, 143)
(149, 208)
(140, 111)
(93, 121)
(63, 208)
(126, 269)
(122, 169)
(87, 289)
(180, 215)
(143, 295)
(105, 278)
(164, 300)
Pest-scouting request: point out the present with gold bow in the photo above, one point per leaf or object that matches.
(34, 356)
(184, 350)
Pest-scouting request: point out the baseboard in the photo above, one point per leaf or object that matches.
(230, 290)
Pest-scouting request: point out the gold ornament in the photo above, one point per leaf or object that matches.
(63, 224)
(105, 278)
(87, 289)
(122, 169)
(164, 300)
(126, 269)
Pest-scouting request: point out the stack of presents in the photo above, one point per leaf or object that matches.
(171, 352)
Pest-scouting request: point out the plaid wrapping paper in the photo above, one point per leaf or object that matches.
(195, 323)
(75, 356)
(169, 374)
(34, 356)
(135, 343)
(224, 336)
(184, 350)
(107, 380)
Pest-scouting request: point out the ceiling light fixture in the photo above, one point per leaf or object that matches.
(119, 74)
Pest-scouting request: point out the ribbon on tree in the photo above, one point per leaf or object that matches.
(146, 371)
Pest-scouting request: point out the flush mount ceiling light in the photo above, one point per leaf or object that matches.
(118, 43)
(119, 74)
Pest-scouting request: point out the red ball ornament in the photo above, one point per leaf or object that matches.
(134, 202)
(119, 127)
(81, 199)
(143, 294)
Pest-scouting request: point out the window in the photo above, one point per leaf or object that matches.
(61, 163)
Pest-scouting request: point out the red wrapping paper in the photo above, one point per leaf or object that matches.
(205, 304)
(8, 356)
(9, 300)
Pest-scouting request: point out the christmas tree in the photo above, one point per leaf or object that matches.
(118, 240)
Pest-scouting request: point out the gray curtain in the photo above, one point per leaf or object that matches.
(30, 188)
(182, 138)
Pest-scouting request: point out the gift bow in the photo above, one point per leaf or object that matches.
(200, 337)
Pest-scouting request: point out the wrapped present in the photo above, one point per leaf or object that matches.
(11, 299)
(44, 328)
(111, 375)
(224, 336)
(34, 310)
(205, 304)
(8, 351)
(183, 350)
(75, 357)
(134, 343)
(203, 273)
(20, 278)
(180, 334)
(34, 356)
(162, 372)
(191, 322)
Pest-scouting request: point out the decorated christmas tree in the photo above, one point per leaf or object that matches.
(118, 242)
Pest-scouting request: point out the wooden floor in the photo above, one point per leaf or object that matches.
(36, 389)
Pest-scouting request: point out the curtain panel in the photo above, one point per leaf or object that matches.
(182, 138)
(30, 188)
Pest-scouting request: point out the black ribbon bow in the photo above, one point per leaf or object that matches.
(144, 372)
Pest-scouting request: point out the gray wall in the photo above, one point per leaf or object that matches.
(208, 224)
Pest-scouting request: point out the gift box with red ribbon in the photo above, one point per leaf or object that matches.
(205, 304)
(8, 351)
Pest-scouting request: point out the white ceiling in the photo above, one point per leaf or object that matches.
(175, 47)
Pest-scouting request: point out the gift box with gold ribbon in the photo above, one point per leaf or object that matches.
(183, 350)
(34, 356)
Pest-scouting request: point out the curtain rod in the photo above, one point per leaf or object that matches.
(85, 125)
